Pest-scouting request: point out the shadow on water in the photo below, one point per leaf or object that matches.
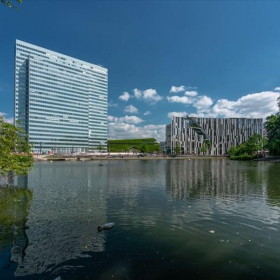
(14, 209)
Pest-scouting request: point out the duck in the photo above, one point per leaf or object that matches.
(105, 226)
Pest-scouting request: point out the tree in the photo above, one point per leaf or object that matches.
(205, 146)
(272, 127)
(101, 148)
(15, 151)
(156, 149)
(9, 3)
(143, 149)
(177, 149)
(251, 147)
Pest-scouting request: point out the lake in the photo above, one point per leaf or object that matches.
(175, 219)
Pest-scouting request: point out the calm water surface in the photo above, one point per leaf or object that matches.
(176, 219)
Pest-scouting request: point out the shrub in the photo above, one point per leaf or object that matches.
(243, 157)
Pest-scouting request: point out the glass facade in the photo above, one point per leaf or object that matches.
(189, 133)
(61, 102)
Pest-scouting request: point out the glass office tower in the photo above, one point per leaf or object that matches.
(60, 101)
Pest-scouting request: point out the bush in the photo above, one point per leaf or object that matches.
(243, 157)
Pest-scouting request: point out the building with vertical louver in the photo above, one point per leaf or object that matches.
(60, 101)
(189, 133)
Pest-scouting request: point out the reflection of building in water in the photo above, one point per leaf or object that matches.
(204, 178)
(131, 185)
(68, 205)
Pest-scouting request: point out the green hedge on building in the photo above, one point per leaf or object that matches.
(145, 145)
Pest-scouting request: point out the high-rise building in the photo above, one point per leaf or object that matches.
(190, 133)
(60, 101)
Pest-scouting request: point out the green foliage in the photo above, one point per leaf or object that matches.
(249, 148)
(177, 149)
(9, 3)
(143, 149)
(15, 151)
(272, 127)
(117, 146)
(14, 207)
(205, 146)
(243, 157)
(101, 148)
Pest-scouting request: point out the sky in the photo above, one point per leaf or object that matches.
(164, 58)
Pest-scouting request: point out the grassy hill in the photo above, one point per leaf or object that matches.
(146, 145)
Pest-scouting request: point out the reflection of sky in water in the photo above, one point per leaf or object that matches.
(161, 208)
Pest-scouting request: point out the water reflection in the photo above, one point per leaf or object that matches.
(210, 178)
(70, 204)
(163, 212)
(14, 208)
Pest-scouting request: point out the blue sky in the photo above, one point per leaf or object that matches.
(212, 58)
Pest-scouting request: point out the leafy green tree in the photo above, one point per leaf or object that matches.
(9, 3)
(203, 149)
(251, 147)
(205, 146)
(272, 127)
(143, 149)
(156, 149)
(15, 151)
(177, 149)
(101, 147)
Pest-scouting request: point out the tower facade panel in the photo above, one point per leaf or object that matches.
(190, 133)
(60, 101)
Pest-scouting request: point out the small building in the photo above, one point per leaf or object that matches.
(134, 150)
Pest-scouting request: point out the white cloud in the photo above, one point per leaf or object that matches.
(130, 109)
(277, 89)
(137, 93)
(177, 89)
(125, 96)
(255, 105)
(177, 114)
(147, 113)
(191, 93)
(149, 95)
(7, 120)
(179, 99)
(126, 131)
(125, 119)
(203, 102)
(113, 105)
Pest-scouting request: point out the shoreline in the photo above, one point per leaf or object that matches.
(99, 158)
(130, 157)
